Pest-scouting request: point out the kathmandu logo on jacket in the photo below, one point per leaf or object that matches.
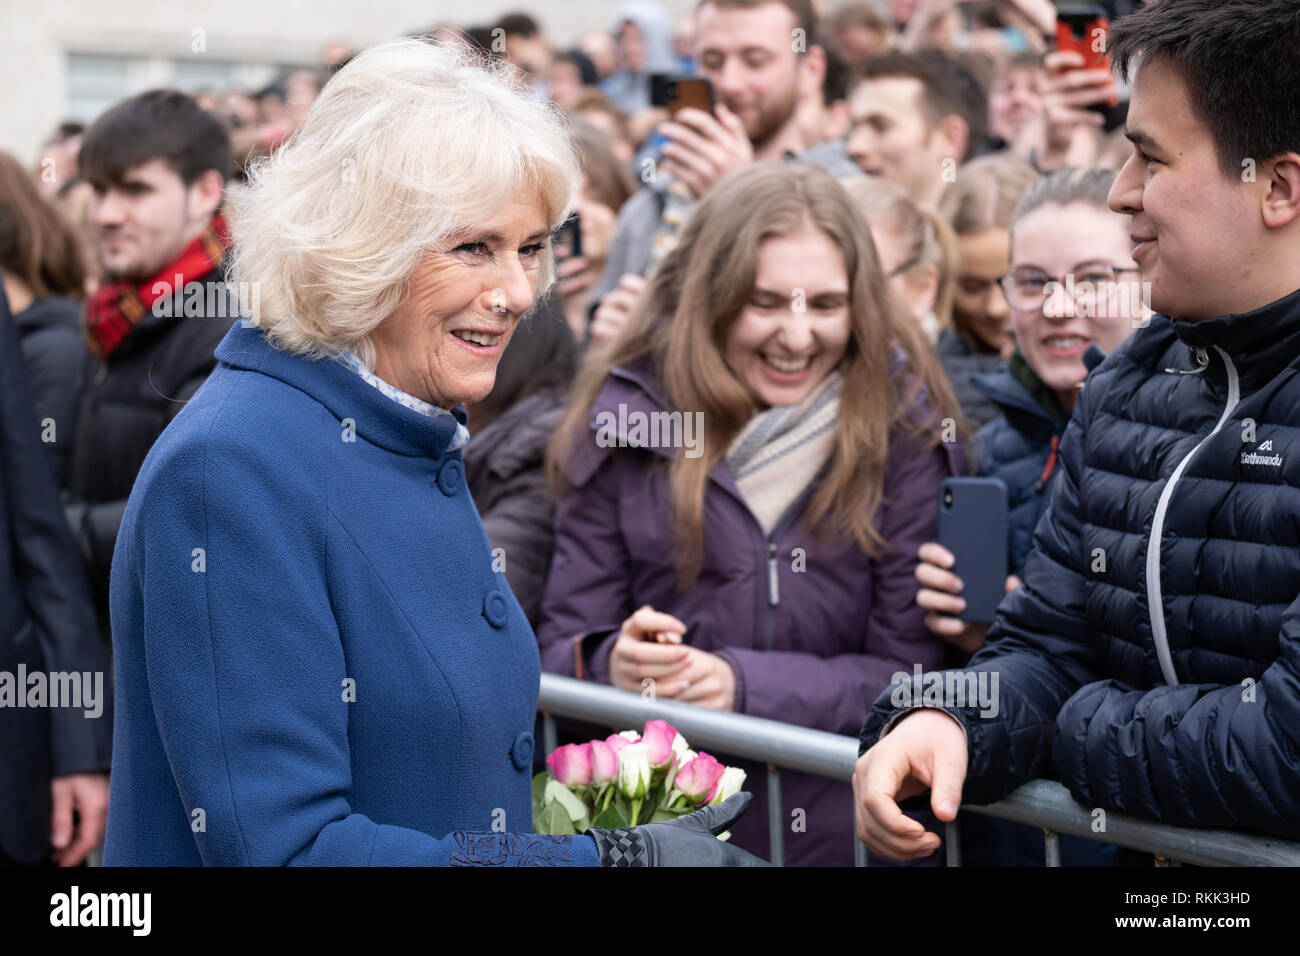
(1255, 458)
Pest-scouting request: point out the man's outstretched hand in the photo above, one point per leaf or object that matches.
(926, 749)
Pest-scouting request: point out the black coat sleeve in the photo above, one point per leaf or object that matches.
(1038, 646)
(51, 579)
(55, 359)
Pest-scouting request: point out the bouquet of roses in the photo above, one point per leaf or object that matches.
(628, 779)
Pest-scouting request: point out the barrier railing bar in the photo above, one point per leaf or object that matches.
(1051, 848)
(1042, 803)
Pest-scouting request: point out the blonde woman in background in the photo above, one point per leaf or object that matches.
(917, 249)
(978, 207)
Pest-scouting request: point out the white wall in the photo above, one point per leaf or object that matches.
(36, 34)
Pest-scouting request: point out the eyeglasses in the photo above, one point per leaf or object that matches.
(1028, 289)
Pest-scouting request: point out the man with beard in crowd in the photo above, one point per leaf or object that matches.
(763, 59)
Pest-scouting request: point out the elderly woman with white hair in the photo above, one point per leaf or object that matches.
(316, 661)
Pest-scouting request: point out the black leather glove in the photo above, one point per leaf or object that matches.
(690, 840)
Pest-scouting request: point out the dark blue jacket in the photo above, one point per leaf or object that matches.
(56, 366)
(1020, 447)
(962, 362)
(46, 625)
(316, 662)
(1153, 656)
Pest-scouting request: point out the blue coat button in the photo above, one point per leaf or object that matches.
(451, 476)
(496, 608)
(522, 752)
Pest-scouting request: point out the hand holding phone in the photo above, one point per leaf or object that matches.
(677, 92)
(973, 529)
(703, 141)
(1081, 29)
(1071, 95)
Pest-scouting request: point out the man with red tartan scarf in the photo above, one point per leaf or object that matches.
(157, 163)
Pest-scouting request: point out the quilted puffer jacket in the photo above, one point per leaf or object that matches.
(1020, 447)
(1152, 658)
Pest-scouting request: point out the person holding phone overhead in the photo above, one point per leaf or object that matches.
(1080, 96)
(773, 552)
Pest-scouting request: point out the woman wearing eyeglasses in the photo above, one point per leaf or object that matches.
(1072, 285)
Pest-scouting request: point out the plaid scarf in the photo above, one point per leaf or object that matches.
(117, 307)
(779, 452)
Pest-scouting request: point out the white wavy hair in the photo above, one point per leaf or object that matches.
(408, 145)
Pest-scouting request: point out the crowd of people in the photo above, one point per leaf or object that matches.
(324, 411)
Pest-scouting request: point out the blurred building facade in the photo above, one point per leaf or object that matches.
(66, 60)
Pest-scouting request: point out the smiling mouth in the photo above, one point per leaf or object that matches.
(1066, 342)
(477, 338)
(786, 366)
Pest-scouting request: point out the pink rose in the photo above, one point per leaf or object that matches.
(658, 738)
(698, 778)
(618, 741)
(604, 763)
(571, 764)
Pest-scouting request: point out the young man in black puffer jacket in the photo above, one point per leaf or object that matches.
(1152, 658)
(158, 164)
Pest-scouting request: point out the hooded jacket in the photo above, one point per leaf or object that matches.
(1152, 658)
(629, 90)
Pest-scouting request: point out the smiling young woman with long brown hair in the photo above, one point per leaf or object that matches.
(771, 558)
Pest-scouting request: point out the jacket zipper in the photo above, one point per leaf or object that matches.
(1154, 600)
(773, 567)
(773, 585)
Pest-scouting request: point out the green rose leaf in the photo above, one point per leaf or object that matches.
(610, 819)
(555, 821)
(557, 792)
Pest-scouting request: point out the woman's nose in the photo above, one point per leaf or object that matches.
(995, 305)
(796, 332)
(515, 290)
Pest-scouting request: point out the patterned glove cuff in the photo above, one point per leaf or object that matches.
(621, 847)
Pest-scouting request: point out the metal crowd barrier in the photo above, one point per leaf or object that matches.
(1041, 803)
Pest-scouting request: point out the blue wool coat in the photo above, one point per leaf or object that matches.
(315, 661)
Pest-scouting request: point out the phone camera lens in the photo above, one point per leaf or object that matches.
(672, 91)
(947, 498)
